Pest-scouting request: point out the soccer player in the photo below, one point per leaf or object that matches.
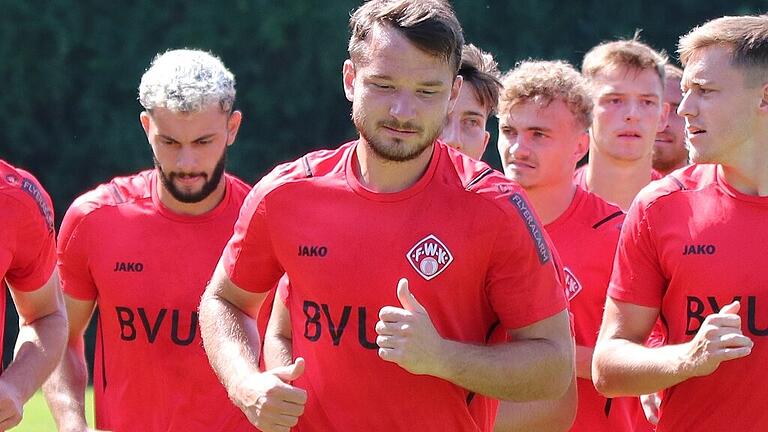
(669, 150)
(465, 127)
(403, 255)
(694, 248)
(141, 248)
(27, 267)
(545, 111)
(627, 78)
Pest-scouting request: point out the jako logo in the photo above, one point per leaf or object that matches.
(128, 267)
(699, 249)
(320, 251)
(429, 257)
(572, 285)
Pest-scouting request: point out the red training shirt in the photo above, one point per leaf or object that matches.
(691, 244)
(147, 267)
(463, 235)
(27, 238)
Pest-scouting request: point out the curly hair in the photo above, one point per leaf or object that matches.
(545, 82)
(187, 80)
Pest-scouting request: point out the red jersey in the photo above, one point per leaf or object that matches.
(27, 239)
(585, 236)
(691, 244)
(147, 267)
(463, 235)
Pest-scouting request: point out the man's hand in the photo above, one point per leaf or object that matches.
(11, 406)
(719, 339)
(406, 335)
(269, 401)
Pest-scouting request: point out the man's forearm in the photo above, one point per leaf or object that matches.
(538, 416)
(39, 348)
(229, 337)
(520, 371)
(65, 390)
(624, 368)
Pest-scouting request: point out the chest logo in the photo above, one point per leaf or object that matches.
(429, 257)
(572, 285)
(699, 249)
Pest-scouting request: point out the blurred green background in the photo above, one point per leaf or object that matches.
(70, 70)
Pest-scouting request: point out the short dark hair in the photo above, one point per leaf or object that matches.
(431, 25)
(479, 69)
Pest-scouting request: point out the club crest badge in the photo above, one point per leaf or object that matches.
(572, 285)
(429, 257)
(12, 180)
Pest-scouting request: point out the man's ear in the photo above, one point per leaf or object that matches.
(348, 75)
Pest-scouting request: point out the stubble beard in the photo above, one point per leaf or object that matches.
(397, 150)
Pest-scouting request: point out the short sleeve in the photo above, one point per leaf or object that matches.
(249, 257)
(73, 250)
(637, 277)
(34, 250)
(524, 280)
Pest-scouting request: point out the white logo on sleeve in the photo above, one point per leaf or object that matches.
(429, 257)
(572, 285)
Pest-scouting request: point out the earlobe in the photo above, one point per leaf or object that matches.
(348, 79)
(582, 146)
(764, 100)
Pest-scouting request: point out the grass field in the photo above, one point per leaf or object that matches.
(37, 418)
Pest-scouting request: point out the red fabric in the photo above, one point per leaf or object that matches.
(585, 236)
(492, 267)
(689, 252)
(27, 238)
(147, 267)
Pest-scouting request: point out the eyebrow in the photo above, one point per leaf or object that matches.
(653, 95)
(201, 138)
(473, 113)
(433, 83)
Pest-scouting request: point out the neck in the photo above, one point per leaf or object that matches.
(748, 174)
(669, 170)
(190, 209)
(551, 202)
(385, 176)
(617, 181)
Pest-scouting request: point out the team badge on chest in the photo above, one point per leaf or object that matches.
(429, 257)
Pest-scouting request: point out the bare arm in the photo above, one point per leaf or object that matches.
(537, 364)
(278, 337)
(538, 416)
(228, 327)
(65, 389)
(624, 366)
(42, 334)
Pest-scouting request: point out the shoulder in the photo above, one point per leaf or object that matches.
(118, 191)
(310, 168)
(600, 214)
(677, 184)
(238, 188)
(21, 188)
